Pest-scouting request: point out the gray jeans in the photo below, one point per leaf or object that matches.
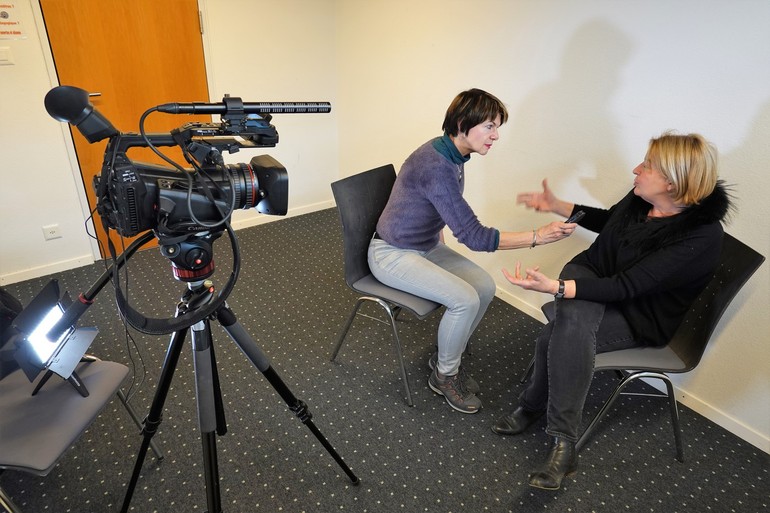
(564, 357)
(446, 277)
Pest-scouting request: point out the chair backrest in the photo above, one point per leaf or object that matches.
(736, 265)
(361, 199)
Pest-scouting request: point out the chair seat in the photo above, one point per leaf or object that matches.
(36, 430)
(369, 285)
(659, 359)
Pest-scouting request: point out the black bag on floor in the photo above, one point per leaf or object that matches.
(10, 307)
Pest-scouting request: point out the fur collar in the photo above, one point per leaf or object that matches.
(633, 211)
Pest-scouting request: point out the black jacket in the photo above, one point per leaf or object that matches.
(652, 268)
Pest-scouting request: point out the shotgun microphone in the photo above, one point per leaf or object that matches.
(227, 107)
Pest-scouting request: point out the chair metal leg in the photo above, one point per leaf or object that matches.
(618, 389)
(605, 407)
(392, 314)
(674, 419)
(347, 327)
(7, 504)
(399, 353)
(528, 372)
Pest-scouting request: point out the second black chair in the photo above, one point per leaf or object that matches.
(737, 263)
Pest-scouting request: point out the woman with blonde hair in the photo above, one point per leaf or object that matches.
(656, 250)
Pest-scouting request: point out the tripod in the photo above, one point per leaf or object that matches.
(210, 410)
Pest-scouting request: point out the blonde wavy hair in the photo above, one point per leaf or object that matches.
(688, 162)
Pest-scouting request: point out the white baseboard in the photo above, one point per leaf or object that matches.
(73, 263)
(698, 405)
(531, 310)
(257, 220)
(45, 270)
(722, 419)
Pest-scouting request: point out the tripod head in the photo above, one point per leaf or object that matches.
(191, 255)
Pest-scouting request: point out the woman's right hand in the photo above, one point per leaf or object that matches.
(553, 231)
(541, 201)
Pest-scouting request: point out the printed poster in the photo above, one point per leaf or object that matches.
(10, 25)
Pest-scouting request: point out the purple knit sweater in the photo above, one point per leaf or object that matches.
(428, 195)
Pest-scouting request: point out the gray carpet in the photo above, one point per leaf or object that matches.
(292, 299)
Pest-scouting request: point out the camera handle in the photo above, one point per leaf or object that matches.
(209, 399)
(77, 308)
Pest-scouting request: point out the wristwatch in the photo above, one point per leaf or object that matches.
(560, 293)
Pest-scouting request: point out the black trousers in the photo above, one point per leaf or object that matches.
(564, 357)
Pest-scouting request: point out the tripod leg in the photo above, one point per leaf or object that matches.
(209, 409)
(73, 380)
(218, 401)
(153, 419)
(78, 384)
(258, 358)
(132, 414)
(42, 381)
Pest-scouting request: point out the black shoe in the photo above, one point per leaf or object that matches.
(562, 462)
(517, 422)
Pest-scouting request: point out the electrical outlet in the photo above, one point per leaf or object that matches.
(51, 231)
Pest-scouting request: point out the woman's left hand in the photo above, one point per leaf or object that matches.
(532, 280)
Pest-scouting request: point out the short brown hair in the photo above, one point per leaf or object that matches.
(471, 108)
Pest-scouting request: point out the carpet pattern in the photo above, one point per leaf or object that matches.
(292, 299)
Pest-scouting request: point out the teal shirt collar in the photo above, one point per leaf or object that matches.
(447, 148)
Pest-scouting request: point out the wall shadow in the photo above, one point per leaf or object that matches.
(572, 117)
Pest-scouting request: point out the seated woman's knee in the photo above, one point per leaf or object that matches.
(487, 288)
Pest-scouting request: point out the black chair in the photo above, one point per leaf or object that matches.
(35, 431)
(360, 200)
(684, 351)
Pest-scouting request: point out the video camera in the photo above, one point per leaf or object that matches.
(187, 209)
(133, 197)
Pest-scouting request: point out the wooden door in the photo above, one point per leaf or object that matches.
(137, 54)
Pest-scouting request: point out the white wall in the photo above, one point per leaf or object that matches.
(280, 51)
(38, 186)
(587, 84)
